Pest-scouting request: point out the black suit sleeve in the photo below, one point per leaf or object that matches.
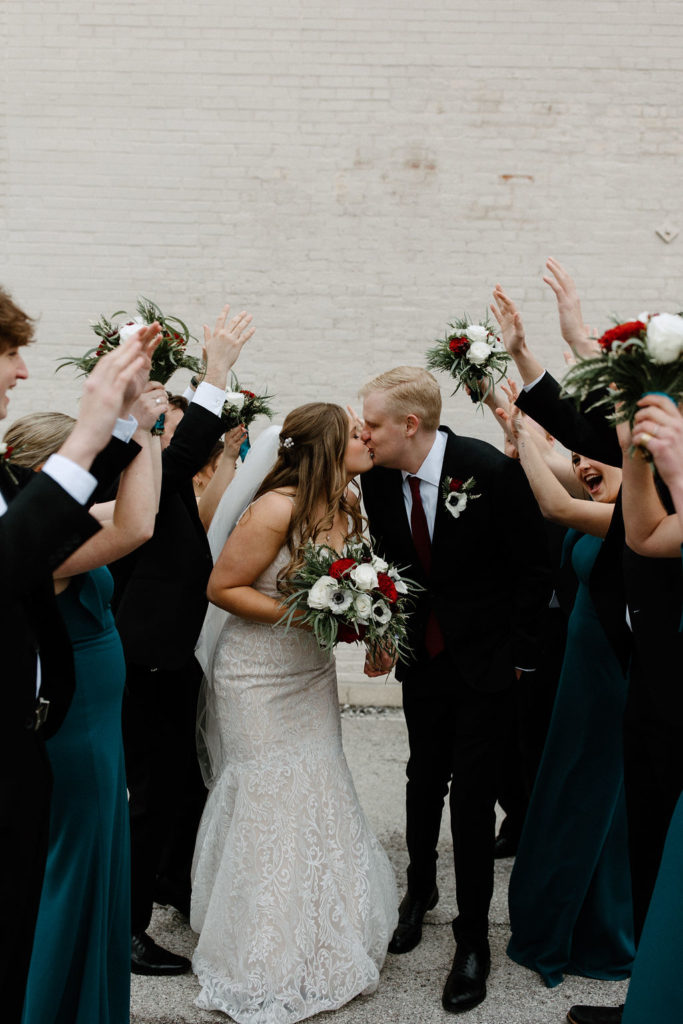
(190, 446)
(41, 528)
(587, 433)
(109, 465)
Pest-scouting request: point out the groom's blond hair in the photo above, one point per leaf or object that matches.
(409, 389)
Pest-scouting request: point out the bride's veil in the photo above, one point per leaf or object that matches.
(237, 497)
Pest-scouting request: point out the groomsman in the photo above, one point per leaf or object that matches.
(160, 603)
(41, 524)
(441, 504)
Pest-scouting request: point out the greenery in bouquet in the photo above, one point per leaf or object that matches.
(242, 406)
(355, 598)
(169, 356)
(637, 356)
(472, 354)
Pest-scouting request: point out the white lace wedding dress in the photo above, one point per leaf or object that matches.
(293, 895)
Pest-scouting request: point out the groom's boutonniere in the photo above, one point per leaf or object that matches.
(457, 494)
(5, 456)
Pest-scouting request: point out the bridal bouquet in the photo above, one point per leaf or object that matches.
(470, 353)
(242, 406)
(637, 356)
(355, 598)
(169, 356)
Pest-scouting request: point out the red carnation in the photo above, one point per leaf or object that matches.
(458, 346)
(455, 484)
(350, 634)
(622, 332)
(340, 567)
(387, 587)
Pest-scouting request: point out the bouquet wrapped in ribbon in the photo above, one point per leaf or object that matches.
(472, 354)
(355, 598)
(637, 356)
(169, 356)
(242, 406)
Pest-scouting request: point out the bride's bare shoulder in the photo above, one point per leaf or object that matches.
(272, 509)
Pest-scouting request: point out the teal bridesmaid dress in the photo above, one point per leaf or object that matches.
(80, 967)
(570, 891)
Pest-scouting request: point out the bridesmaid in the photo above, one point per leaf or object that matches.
(655, 995)
(569, 896)
(80, 966)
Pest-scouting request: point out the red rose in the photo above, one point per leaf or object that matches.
(350, 634)
(387, 587)
(340, 567)
(622, 332)
(249, 394)
(458, 346)
(455, 484)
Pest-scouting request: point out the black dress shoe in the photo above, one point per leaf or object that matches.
(595, 1014)
(466, 984)
(410, 915)
(505, 846)
(148, 958)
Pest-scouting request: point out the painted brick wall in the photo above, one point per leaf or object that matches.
(352, 173)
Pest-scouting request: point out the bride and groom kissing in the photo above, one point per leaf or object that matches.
(293, 896)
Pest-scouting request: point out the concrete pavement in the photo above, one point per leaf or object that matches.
(410, 987)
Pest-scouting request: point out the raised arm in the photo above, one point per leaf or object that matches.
(128, 521)
(223, 476)
(512, 333)
(554, 501)
(658, 426)
(572, 326)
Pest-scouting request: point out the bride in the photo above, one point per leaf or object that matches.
(293, 895)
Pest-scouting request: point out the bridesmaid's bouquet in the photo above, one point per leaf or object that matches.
(169, 356)
(242, 406)
(471, 354)
(355, 598)
(637, 356)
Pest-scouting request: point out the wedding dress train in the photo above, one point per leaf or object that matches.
(293, 895)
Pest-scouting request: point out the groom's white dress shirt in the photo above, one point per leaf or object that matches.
(429, 475)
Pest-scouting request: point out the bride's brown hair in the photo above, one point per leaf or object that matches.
(310, 459)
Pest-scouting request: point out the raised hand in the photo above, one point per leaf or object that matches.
(232, 442)
(224, 344)
(104, 395)
(150, 336)
(658, 426)
(150, 405)
(509, 321)
(572, 327)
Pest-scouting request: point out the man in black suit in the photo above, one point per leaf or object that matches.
(41, 524)
(160, 603)
(472, 633)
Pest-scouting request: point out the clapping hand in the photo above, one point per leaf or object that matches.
(572, 327)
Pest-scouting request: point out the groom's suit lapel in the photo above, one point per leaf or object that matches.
(449, 533)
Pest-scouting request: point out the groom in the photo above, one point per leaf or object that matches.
(461, 518)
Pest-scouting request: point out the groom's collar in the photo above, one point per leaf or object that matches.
(430, 470)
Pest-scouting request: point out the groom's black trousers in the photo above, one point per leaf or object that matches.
(456, 736)
(166, 792)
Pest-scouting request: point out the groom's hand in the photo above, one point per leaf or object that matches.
(379, 663)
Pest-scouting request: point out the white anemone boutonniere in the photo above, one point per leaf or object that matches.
(457, 494)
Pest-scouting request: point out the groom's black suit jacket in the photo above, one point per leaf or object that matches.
(489, 583)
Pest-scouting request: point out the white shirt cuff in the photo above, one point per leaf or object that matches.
(125, 429)
(518, 668)
(189, 393)
(3, 505)
(528, 387)
(210, 397)
(75, 480)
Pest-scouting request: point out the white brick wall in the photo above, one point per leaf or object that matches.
(352, 173)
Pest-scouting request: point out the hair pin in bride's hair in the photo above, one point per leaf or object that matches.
(287, 442)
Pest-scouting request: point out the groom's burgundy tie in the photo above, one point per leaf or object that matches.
(423, 545)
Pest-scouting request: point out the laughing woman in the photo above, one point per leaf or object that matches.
(570, 897)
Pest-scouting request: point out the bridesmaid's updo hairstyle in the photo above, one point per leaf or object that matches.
(310, 459)
(37, 436)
